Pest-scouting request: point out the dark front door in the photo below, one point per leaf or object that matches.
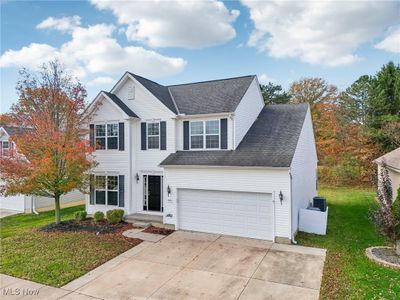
(154, 193)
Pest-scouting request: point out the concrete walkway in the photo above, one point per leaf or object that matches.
(8, 212)
(190, 265)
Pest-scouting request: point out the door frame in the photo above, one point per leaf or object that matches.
(145, 186)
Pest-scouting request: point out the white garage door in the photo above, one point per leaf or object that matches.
(13, 202)
(223, 212)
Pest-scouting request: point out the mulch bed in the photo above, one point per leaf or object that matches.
(387, 254)
(158, 230)
(87, 226)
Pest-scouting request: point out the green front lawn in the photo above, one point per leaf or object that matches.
(348, 274)
(53, 258)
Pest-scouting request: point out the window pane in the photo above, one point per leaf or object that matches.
(100, 143)
(101, 130)
(153, 129)
(212, 141)
(112, 183)
(112, 129)
(100, 182)
(196, 142)
(5, 144)
(112, 143)
(100, 197)
(153, 142)
(196, 127)
(212, 127)
(112, 198)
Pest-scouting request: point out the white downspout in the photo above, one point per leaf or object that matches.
(291, 209)
(33, 205)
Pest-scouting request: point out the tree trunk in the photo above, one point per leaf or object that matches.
(397, 247)
(57, 211)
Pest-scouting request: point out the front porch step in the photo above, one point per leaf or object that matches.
(144, 219)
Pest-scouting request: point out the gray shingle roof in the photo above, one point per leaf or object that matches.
(391, 159)
(215, 96)
(159, 91)
(121, 104)
(270, 142)
(15, 130)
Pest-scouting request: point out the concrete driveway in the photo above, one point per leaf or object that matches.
(189, 265)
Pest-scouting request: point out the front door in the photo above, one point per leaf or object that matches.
(152, 193)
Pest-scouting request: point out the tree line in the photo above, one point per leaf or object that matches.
(352, 127)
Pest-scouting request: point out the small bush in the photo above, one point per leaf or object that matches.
(80, 215)
(115, 216)
(98, 216)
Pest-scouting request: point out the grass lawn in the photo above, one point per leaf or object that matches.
(53, 258)
(348, 274)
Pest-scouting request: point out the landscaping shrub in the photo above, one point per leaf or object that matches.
(98, 216)
(115, 216)
(80, 215)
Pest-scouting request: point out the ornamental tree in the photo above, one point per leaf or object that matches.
(51, 158)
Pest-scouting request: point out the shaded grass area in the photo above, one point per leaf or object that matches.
(58, 257)
(348, 273)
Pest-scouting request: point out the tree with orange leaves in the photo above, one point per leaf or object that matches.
(52, 158)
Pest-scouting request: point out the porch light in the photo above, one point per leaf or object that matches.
(137, 177)
(168, 190)
(280, 196)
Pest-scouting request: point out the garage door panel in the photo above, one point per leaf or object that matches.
(225, 212)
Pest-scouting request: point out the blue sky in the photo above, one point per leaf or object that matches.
(179, 41)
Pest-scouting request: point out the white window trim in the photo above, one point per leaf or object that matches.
(153, 135)
(106, 135)
(204, 134)
(105, 190)
(2, 148)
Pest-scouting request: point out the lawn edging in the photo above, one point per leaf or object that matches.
(374, 258)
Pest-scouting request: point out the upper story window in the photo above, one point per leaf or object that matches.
(205, 134)
(106, 136)
(153, 135)
(106, 190)
(5, 148)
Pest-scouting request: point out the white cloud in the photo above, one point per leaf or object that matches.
(102, 80)
(93, 50)
(174, 23)
(391, 43)
(65, 24)
(318, 32)
(265, 79)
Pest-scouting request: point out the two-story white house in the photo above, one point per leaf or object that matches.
(206, 156)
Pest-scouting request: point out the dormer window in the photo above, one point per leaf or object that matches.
(131, 92)
(205, 134)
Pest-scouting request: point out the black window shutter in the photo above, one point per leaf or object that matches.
(185, 135)
(121, 132)
(163, 136)
(224, 133)
(143, 135)
(121, 189)
(91, 180)
(91, 135)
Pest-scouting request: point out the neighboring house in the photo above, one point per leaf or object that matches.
(206, 156)
(25, 203)
(392, 161)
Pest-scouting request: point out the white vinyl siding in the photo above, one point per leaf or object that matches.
(247, 111)
(304, 171)
(253, 180)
